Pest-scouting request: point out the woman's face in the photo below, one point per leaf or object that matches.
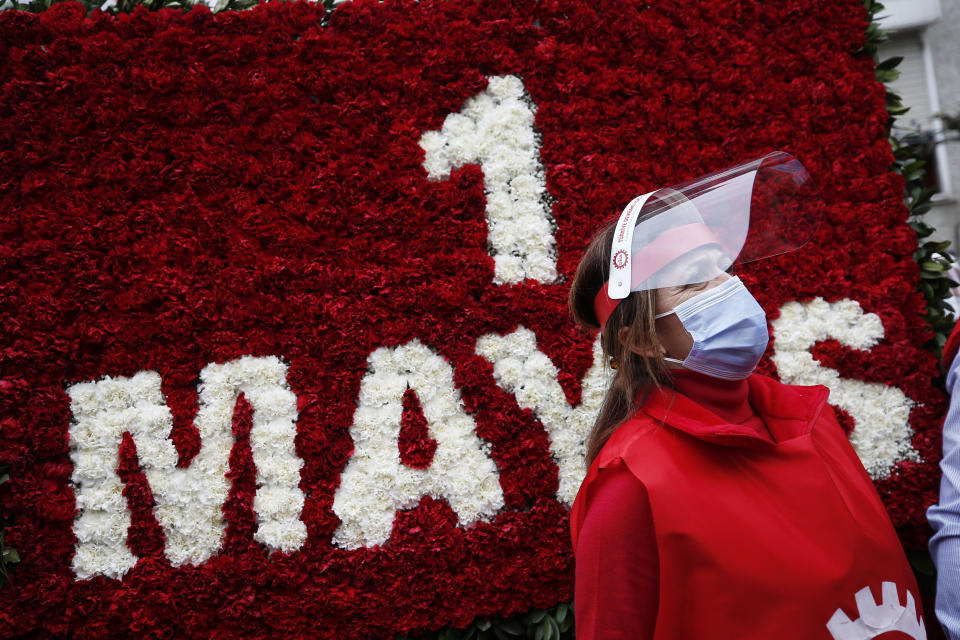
(674, 338)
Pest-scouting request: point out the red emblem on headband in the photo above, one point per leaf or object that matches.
(620, 259)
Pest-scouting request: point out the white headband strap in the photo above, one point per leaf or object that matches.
(620, 252)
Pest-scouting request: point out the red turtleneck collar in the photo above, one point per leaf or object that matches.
(728, 399)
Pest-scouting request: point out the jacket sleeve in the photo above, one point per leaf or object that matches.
(617, 567)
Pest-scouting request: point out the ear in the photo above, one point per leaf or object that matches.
(647, 352)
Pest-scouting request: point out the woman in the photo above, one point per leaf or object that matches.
(718, 503)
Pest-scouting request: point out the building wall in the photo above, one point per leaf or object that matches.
(927, 34)
(943, 41)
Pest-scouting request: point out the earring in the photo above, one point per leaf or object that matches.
(613, 363)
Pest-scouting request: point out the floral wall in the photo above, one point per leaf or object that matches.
(285, 345)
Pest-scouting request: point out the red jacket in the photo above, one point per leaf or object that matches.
(760, 539)
(951, 347)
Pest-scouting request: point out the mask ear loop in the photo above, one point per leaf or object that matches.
(667, 358)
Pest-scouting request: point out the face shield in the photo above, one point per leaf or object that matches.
(694, 231)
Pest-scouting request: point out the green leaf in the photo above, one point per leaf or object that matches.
(922, 230)
(554, 630)
(886, 75)
(534, 617)
(890, 63)
(561, 613)
(10, 555)
(541, 633)
(936, 246)
(510, 627)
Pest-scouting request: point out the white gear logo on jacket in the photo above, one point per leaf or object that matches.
(875, 619)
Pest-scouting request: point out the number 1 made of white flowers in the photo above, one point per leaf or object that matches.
(495, 130)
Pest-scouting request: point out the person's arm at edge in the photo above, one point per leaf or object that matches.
(944, 516)
(617, 567)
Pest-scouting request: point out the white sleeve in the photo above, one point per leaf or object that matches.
(944, 517)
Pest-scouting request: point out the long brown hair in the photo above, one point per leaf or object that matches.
(634, 372)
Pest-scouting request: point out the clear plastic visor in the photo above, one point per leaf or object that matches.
(696, 230)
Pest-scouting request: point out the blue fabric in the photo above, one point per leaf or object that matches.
(729, 331)
(944, 517)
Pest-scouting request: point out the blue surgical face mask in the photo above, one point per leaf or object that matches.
(729, 331)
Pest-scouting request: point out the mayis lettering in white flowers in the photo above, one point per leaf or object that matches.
(375, 483)
(188, 500)
(526, 372)
(881, 413)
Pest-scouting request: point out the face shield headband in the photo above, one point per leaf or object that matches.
(627, 267)
(690, 232)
